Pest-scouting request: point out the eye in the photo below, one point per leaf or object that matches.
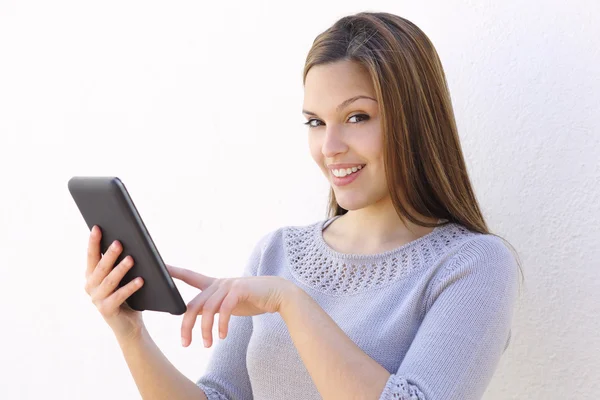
(308, 123)
(362, 117)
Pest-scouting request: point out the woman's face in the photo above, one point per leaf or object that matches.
(348, 135)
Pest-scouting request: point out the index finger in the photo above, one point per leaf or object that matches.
(93, 250)
(190, 277)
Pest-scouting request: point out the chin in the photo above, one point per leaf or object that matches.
(351, 204)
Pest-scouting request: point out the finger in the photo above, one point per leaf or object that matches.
(112, 280)
(229, 303)
(93, 250)
(189, 317)
(190, 277)
(210, 308)
(115, 300)
(105, 265)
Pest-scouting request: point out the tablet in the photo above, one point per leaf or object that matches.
(104, 201)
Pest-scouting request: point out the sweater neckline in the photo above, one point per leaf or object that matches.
(322, 244)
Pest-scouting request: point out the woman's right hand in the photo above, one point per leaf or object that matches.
(102, 280)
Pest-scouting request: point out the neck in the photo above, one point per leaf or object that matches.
(379, 224)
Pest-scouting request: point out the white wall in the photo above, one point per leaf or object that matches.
(196, 106)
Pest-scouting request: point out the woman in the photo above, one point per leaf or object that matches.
(401, 293)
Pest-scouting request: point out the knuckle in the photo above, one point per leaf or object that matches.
(187, 323)
(110, 280)
(206, 334)
(209, 306)
(236, 284)
(102, 307)
(118, 272)
(234, 292)
(207, 320)
(120, 268)
(223, 311)
(226, 306)
(103, 264)
(131, 288)
(122, 295)
(194, 306)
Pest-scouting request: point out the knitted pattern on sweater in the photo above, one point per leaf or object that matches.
(435, 313)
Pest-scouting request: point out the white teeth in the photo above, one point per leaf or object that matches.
(343, 172)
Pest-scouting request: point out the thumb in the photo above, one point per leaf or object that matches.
(190, 277)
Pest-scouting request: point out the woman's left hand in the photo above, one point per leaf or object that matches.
(244, 296)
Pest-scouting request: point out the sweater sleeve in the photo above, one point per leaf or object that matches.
(226, 376)
(466, 327)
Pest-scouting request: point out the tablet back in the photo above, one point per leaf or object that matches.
(104, 201)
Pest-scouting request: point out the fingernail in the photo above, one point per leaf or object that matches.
(183, 342)
(205, 342)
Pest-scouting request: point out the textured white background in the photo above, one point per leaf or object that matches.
(197, 107)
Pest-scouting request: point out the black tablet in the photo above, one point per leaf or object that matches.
(104, 201)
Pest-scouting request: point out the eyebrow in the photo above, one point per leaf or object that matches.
(343, 104)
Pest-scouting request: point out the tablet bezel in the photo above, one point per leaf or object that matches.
(105, 201)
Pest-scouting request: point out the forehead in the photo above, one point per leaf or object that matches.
(335, 82)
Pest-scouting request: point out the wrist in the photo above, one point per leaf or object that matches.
(292, 296)
(132, 337)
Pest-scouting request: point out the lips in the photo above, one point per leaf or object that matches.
(344, 166)
(339, 181)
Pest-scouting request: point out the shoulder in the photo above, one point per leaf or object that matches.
(481, 262)
(483, 253)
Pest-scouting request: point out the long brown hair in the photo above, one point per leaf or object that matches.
(423, 158)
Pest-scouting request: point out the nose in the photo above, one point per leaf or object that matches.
(333, 143)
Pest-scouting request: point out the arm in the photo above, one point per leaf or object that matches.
(155, 377)
(338, 367)
(455, 351)
(226, 376)
(467, 327)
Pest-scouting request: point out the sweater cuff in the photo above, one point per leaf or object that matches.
(211, 393)
(398, 388)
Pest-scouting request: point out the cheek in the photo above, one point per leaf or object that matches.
(372, 150)
(371, 146)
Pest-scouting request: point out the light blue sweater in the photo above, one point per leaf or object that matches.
(435, 312)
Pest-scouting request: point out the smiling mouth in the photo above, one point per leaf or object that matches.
(347, 179)
(352, 172)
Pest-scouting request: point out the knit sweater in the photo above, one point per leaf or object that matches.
(435, 313)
